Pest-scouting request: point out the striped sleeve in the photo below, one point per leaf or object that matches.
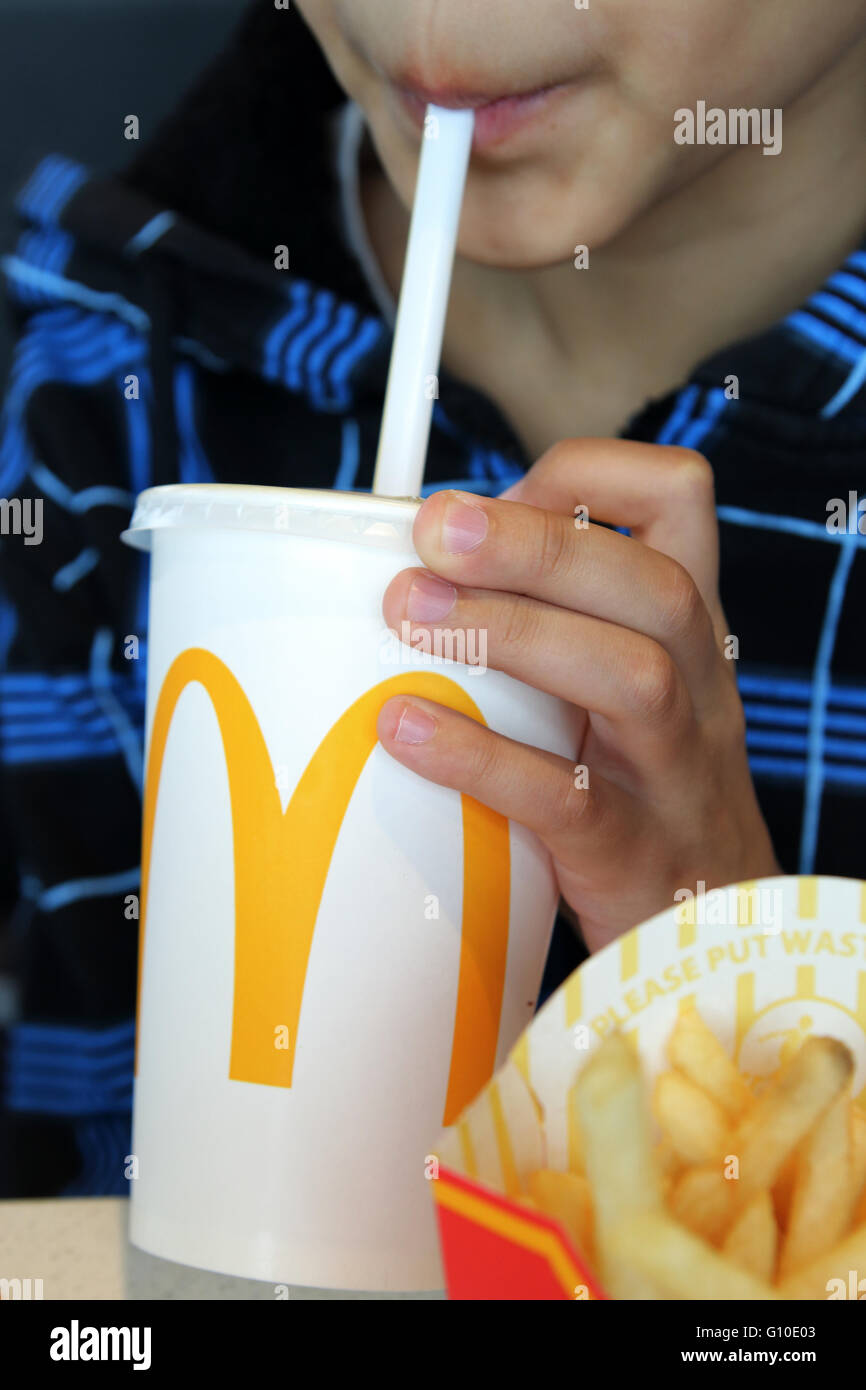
(72, 624)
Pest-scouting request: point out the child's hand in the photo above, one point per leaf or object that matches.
(628, 629)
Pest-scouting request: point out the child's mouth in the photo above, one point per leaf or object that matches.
(495, 119)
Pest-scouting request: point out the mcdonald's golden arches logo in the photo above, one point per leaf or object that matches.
(281, 863)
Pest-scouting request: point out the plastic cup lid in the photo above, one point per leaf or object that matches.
(357, 517)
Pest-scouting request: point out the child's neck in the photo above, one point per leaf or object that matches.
(566, 352)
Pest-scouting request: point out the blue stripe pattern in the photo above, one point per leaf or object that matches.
(686, 425)
(817, 771)
(46, 251)
(25, 280)
(848, 390)
(68, 576)
(148, 235)
(775, 731)
(67, 345)
(137, 419)
(76, 890)
(844, 337)
(127, 730)
(315, 346)
(796, 770)
(795, 688)
(350, 456)
(79, 502)
(688, 429)
(63, 1070)
(799, 718)
(830, 340)
(48, 718)
(51, 185)
(792, 525)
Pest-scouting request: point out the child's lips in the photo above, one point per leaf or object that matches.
(495, 119)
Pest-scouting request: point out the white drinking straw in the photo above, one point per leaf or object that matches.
(412, 378)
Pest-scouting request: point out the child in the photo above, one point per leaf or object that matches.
(622, 298)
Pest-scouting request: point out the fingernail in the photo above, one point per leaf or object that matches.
(463, 528)
(414, 726)
(429, 598)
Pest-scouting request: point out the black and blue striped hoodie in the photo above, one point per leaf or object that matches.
(158, 343)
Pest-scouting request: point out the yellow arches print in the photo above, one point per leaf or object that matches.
(281, 863)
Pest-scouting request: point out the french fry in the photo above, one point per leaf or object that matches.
(744, 1186)
(857, 1176)
(567, 1198)
(858, 1142)
(618, 1154)
(811, 1281)
(781, 1117)
(575, 1138)
(783, 1189)
(702, 1199)
(668, 1161)
(821, 1203)
(695, 1125)
(753, 1240)
(679, 1264)
(696, 1051)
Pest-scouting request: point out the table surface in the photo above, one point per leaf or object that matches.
(78, 1247)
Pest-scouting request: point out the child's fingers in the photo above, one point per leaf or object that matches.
(533, 552)
(637, 696)
(528, 785)
(665, 496)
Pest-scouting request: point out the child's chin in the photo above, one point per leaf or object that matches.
(520, 240)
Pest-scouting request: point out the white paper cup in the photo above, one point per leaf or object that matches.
(316, 996)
